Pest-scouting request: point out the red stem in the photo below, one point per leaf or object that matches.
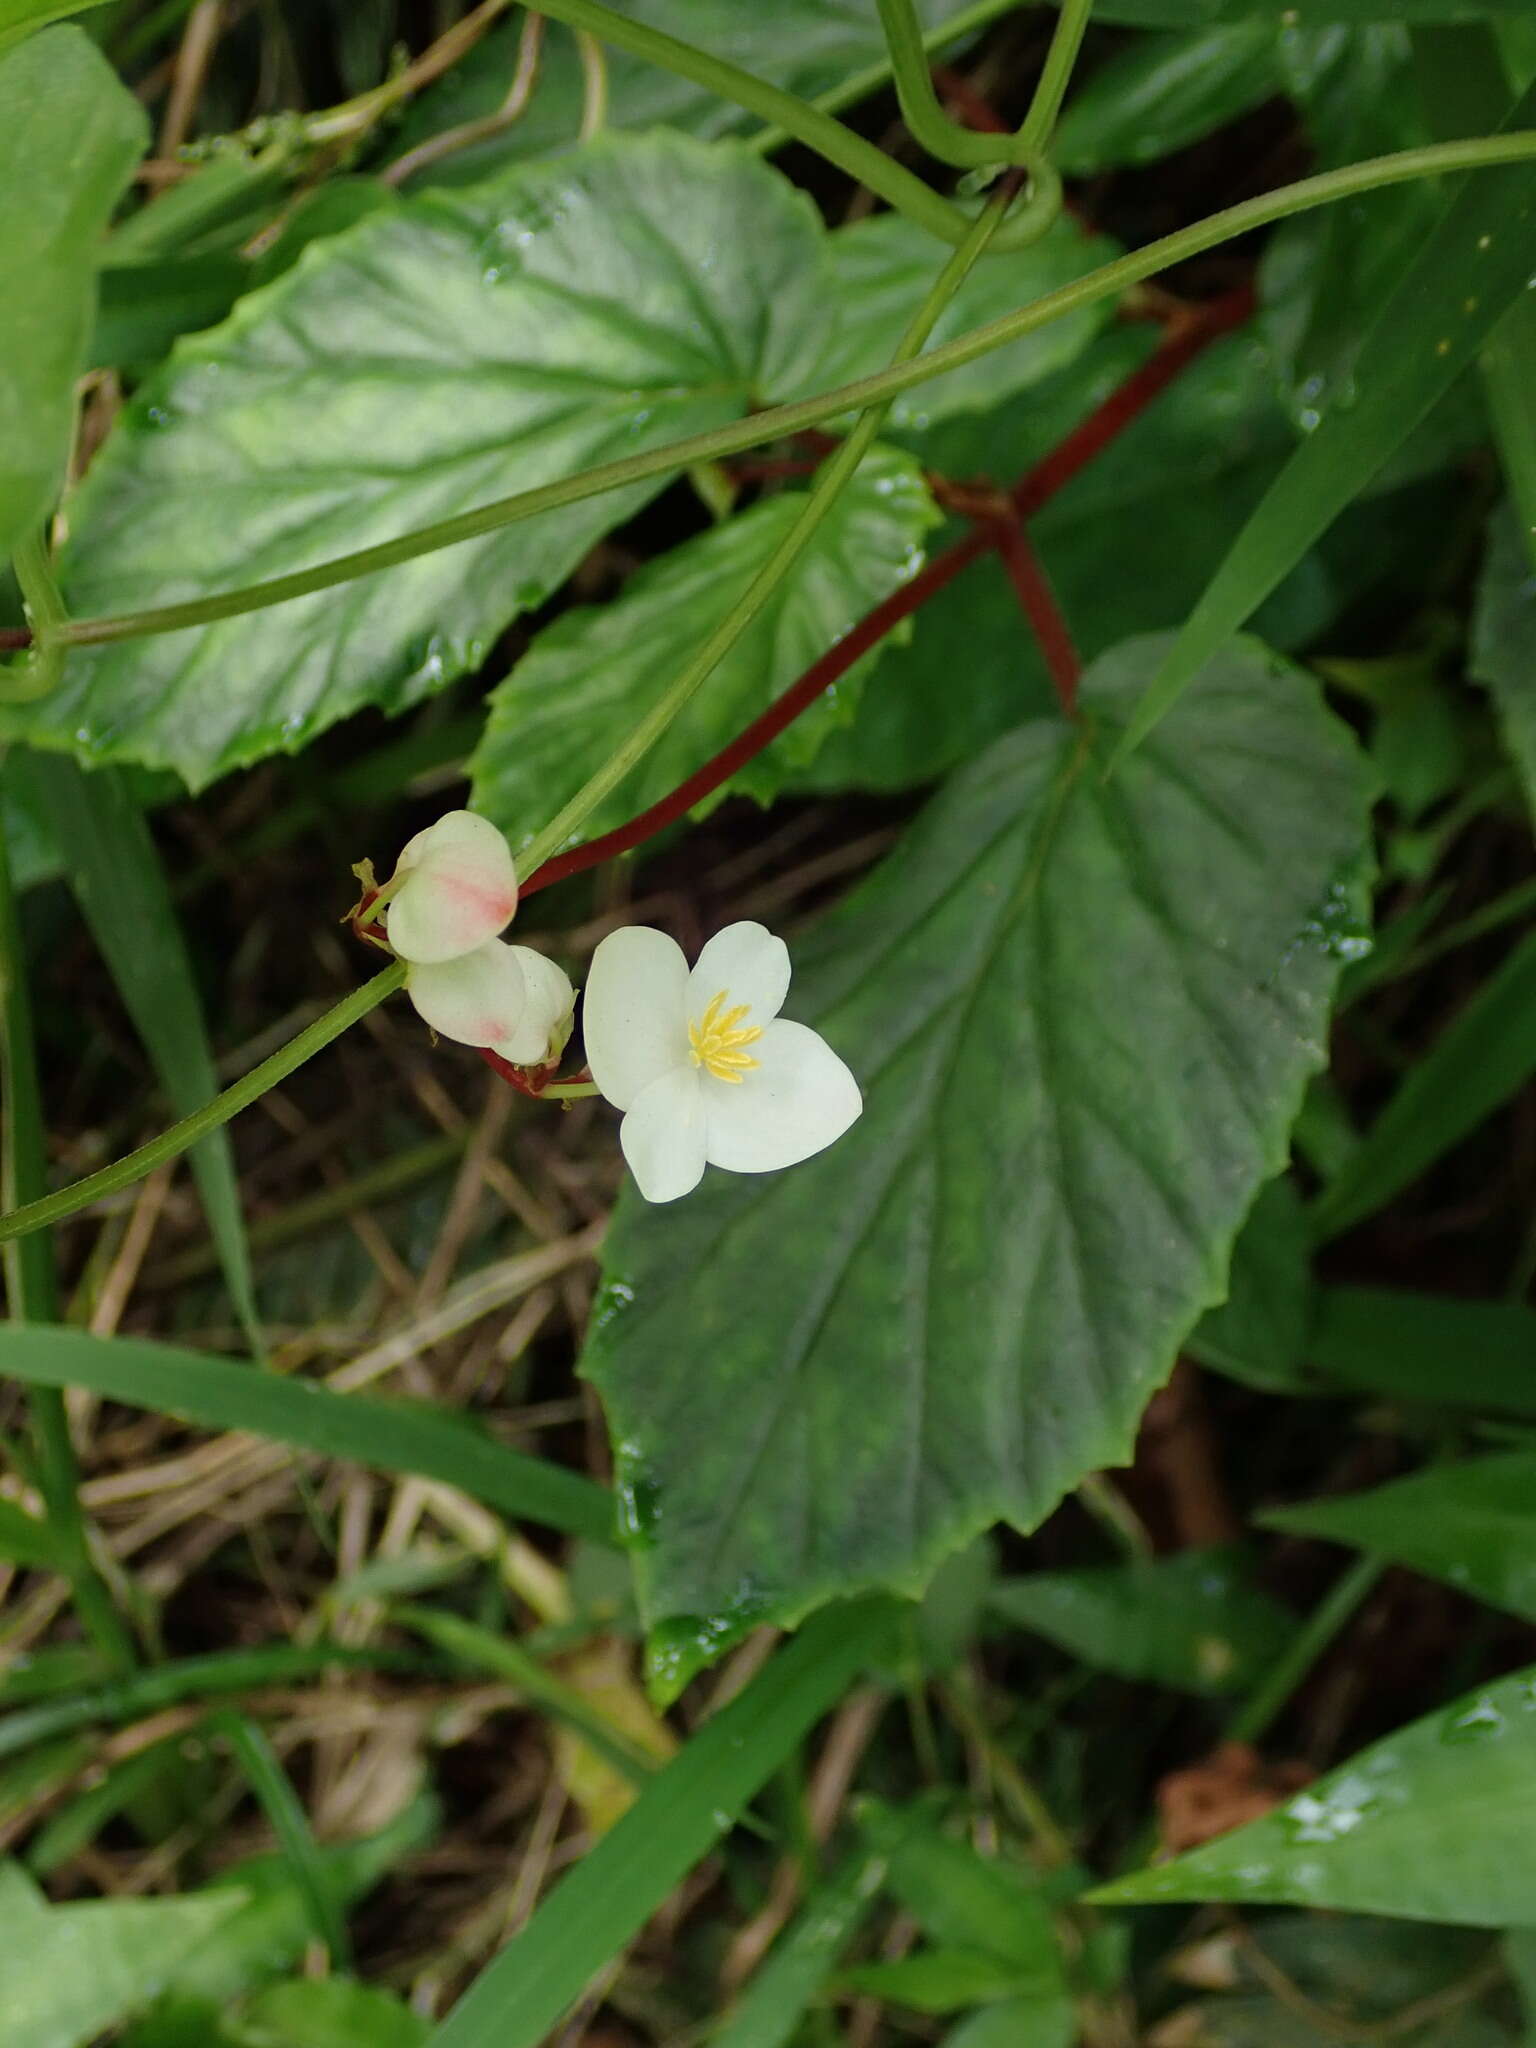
(1178, 349)
(1038, 600)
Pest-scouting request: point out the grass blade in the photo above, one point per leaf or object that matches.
(1478, 1062)
(269, 1781)
(1463, 280)
(118, 882)
(782, 1991)
(215, 1394)
(591, 1915)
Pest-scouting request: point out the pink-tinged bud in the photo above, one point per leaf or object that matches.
(545, 1025)
(477, 999)
(454, 887)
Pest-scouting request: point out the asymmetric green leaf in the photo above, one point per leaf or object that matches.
(1082, 1015)
(69, 135)
(596, 671)
(1472, 1524)
(466, 345)
(1434, 1823)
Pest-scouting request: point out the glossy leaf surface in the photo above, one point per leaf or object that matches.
(1080, 1060)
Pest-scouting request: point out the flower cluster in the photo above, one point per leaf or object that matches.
(451, 896)
(699, 1060)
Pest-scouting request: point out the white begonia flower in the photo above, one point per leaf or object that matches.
(703, 1066)
(507, 998)
(459, 890)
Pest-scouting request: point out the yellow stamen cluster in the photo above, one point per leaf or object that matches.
(717, 1040)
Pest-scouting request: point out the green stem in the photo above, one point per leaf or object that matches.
(40, 672)
(893, 183)
(930, 127)
(830, 481)
(777, 421)
(1252, 1722)
(860, 84)
(122, 1173)
(1040, 121)
(31, 1285)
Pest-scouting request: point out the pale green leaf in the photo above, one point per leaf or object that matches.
(432, 358)
(1082, 1015)
(80, 1969)
(69, 135)
(596, 671)
(25, 1540)
(934, 1980)
(20, 18)
(335, 2013)
(1472, 1524)
(881, 269)
(1434, 1823)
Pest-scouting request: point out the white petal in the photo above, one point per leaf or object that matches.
(797, 1100)
(750, 965)
(634, 1012)
(663, 1136)
(460, 889)
(477, 999)
(548, 999)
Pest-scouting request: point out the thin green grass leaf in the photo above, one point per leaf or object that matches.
(1458, 287)
(784, 1989)
(214, 1394)
(283, 1808)
(118, 881)
(1478, 1062)
(594, 1912)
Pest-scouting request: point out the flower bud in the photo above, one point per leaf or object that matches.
(453, 889)
(477, 999)
(545, 1024)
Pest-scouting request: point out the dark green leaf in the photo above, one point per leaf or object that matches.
(20, 18)
(881, 269)
(1434, 1823)
(1503, 652)
(143, 307)
(1259, 1333)
(1480, 1059)
(804, 45)
(591, 1915)
(1462, 279)
(1291, 14)
(1049, 2022)
(1471, 1524)
(1426, 1347)
(120, 885)
(395, 1438)
(1160, 93)
(1196, 1621)
(69, 135)
(468, 345)
(1082, 1015)
(594, 672)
